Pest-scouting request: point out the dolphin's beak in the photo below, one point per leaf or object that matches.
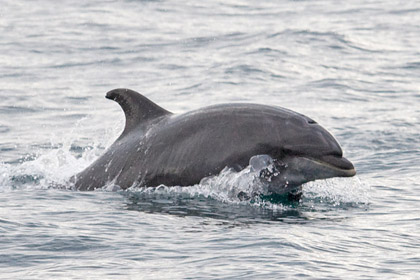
(341, 165)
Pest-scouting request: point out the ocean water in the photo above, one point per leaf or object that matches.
(353, 66)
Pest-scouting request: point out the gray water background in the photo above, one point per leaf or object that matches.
(354, 66)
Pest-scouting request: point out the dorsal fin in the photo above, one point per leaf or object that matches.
(136, 107)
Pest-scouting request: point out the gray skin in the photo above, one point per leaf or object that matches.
(158, 147)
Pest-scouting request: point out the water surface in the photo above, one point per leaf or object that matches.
(354, 67)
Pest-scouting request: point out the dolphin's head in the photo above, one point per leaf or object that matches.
(306, 152)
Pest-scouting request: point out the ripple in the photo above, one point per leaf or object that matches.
(353, 67)
(4, 129)
(14, 109)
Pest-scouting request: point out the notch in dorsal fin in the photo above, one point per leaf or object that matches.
(136, 107)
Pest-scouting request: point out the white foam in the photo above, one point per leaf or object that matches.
(229, 184)
(57, 165)
(54, 167)
(338, 191)
(224, 187)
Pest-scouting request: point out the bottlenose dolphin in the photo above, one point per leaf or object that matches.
(158, 147)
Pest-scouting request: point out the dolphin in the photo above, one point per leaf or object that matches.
(158, 147)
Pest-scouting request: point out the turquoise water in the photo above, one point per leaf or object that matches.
(354, 67)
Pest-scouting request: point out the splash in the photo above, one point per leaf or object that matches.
(229, 186)
(64, 157)
(246, 188)
(52, 164)
(53, 168)
(57, 165)
(338, 191)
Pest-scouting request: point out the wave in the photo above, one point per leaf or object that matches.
(54, 168)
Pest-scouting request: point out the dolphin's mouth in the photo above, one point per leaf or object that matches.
(342, 166)
(286, 174)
